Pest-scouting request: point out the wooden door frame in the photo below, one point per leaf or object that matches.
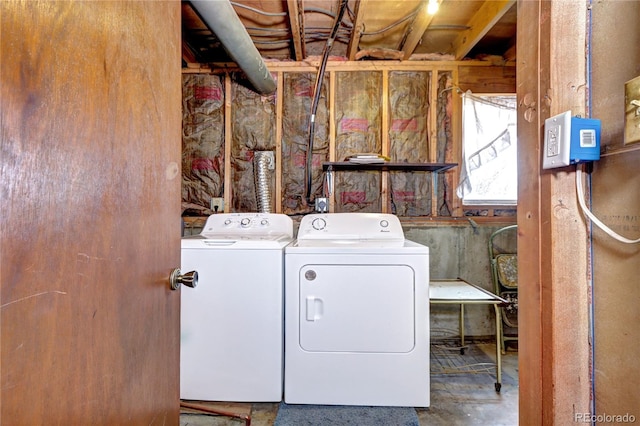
(553, 264)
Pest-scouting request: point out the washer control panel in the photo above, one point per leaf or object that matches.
(350, 226)
(248, 224)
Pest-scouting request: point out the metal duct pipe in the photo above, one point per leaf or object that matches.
(222, 19)
(262, 163)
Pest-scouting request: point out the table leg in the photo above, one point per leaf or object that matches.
(461, 326)
(498, 350)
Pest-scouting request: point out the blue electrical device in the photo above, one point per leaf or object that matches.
(570, 140)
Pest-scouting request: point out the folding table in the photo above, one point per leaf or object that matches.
(460, 292)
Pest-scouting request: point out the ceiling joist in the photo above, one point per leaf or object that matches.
(358, 29)
(479, 25)
(296, 21)
(416, 31)
(297, 30)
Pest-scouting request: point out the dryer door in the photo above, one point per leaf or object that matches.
(357, 308)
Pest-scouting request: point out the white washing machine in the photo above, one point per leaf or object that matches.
(231, 346)
(356, 313)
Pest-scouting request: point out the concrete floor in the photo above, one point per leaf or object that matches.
(456, 398)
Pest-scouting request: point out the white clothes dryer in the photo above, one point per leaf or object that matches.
(356, 313)
(231, 346)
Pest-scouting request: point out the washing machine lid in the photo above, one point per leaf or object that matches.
(236, 242)
(243, 231)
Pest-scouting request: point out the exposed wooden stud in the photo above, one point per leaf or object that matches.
(332, 116)
(485, 18)
(456, 149)
(415, 32)
(432, 141)
(296, 20)
(531, 75)
(332, 132)
(278, 153)
(358, 29)
(554, 343)
(385, 196)
(569, 381)
(432, 119)
(227, 144)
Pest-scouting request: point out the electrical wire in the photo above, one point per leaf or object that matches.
(445, 27)
(395, 24)
(316, 100)
(280, 43)
(328, 13)
(261, 12)
(268, 30)
(594, 219)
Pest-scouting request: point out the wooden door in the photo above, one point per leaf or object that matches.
(90, 211)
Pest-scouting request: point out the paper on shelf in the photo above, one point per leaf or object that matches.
(367, 158)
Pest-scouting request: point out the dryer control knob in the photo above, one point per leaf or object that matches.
(319, 224)
(384, 223)
(245, 222)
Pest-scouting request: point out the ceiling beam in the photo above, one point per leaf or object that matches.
(484, 19)
(510, 54)
(416, 31)
(188, 55)
(296, 20)
(358, 29)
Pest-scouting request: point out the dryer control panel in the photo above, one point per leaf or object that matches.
(350, 226)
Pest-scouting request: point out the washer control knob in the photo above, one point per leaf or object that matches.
(264, 222)
(245, 222)
(319, 224)
(384, 223)
(227, 222)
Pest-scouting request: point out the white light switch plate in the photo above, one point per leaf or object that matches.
(557, 141)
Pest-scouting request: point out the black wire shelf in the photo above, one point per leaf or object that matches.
(386, 166)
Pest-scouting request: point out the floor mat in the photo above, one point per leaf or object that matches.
(338, 415)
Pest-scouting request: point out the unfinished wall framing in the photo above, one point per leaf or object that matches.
(408, 111)
(203, 141)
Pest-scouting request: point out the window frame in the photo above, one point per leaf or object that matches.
(487, 204)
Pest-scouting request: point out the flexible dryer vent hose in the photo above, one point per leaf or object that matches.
(262, 164)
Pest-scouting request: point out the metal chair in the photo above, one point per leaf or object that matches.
(504, 272)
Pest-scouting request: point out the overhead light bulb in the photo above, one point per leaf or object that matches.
(432, 7)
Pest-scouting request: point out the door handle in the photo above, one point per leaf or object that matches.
(314, 308)
(190, 279)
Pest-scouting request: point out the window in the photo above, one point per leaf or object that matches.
(489, 173)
